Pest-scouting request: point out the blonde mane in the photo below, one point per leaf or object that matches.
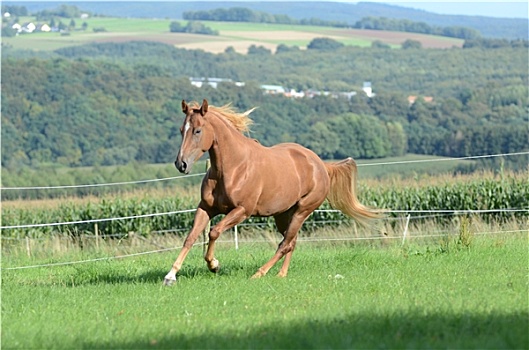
(240, 121)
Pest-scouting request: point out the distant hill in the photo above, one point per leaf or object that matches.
(333, 11)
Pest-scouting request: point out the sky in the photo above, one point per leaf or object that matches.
(505, 9)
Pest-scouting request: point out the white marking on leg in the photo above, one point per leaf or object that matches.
(170, 278)
(214, 264)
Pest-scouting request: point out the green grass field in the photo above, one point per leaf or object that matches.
(423, 295)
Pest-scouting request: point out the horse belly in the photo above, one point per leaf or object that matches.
(276, 200)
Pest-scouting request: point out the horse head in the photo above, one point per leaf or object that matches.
(197, 136)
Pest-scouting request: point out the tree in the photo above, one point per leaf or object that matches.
(191, 27)
(321, 140)
(282, 48)
(7, 31)
(258, 50)
(17, 11)
(411, 44)
(176, 27)
(326, 44)
(377, 44)
(397, 139)
(61, 26)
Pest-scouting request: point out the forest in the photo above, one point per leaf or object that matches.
(115, 103)
(242, 14)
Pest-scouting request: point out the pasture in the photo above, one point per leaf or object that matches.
(434, 293)
(238, 35)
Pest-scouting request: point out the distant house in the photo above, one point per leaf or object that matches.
(213, 82)
(43, 28)
(17, 27)
(295, 94)
(311, 93)
(84, 15)
(412, 99)
(348, 95)
(28, 27)
(273, 89)
(7, 15)
(368, 90)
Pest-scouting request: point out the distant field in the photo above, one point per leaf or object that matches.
(408, 166)
(238, 35)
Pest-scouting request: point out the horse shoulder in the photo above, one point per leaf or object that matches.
(207, 190)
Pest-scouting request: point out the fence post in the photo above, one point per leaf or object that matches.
(405, 229)
(96, 229)
(28, 247)
(235, 230)
(208, 227)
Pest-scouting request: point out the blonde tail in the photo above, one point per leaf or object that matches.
(342, 194)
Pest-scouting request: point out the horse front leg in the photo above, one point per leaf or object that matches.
(234, 217)
(201, 220)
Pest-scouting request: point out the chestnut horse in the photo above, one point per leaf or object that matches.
(286, 181)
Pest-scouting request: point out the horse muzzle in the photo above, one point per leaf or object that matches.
(183, 166)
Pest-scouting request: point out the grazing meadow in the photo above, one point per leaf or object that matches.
(443, 281)
(449, 291)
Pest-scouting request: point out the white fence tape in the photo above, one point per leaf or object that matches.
(434, 211)
(300, 239)
(97, 220)
(202, 174)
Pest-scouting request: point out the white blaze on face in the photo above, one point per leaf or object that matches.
(186, 128)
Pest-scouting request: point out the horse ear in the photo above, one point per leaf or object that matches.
(185, 107)
(204, 107)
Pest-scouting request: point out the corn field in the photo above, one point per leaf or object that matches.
(120, 215)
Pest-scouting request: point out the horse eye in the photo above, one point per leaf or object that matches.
(197, 131)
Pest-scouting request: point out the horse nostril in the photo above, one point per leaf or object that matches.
(180, 165)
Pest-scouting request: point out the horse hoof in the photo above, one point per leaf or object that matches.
(215, 266)
(169, 280)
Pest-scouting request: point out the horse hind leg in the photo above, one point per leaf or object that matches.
(286, 261)
(282, 223)
(289, 224)
(287, 245)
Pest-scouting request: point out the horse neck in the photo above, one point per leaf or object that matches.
(229, 149)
